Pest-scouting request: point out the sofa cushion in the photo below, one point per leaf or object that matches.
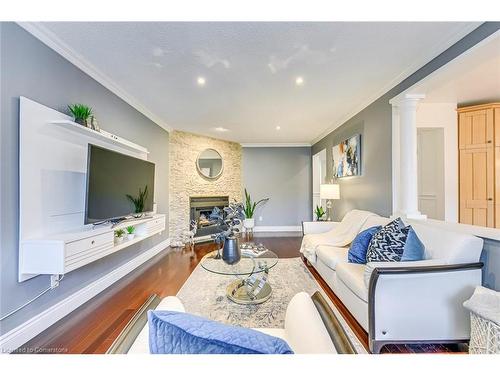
(359, 247)
(451, 247)
(388, 243)
(172, 332)
(331, 255)
(352, 275)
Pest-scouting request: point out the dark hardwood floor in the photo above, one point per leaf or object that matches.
(93, 327)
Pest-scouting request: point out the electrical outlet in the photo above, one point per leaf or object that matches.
(260, 218)
(54, 281)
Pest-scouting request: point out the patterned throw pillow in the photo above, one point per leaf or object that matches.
(387, 245)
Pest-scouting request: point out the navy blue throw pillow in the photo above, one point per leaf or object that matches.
(359, 247)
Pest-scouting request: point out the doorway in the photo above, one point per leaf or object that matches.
(431, 177)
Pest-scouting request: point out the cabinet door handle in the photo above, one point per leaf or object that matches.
(489, 141)
(93, 242)
(490, 199)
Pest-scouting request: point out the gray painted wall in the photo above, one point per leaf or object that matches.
(373, 189)
(29, 68)
(284, 175)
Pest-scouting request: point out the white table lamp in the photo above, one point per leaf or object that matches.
(329, 192)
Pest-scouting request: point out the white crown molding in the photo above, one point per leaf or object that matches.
(428, 57)
(303, 144)
(52, 41)
(21, 334)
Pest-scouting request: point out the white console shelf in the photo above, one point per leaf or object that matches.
(53, 156)
(65, 252)
(101, 135)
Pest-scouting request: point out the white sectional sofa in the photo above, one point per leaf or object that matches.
(405, 302)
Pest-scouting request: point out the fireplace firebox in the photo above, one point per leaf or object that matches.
(200, 209)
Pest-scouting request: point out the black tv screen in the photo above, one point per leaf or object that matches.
(111, 178)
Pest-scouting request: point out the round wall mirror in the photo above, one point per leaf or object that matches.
(209, 163)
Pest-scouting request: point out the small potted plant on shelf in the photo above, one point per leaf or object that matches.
(320, 213)
(81, 113)
(119, 233)
(139, 201)
(130, 232)
(249, 209)
(229, 223)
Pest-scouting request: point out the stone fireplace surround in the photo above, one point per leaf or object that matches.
(185, 181)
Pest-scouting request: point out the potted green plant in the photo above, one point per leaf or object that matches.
(119, 233)
(80, 112)
(130, 232)
(249, 210)
(139, 201)
(319, 212)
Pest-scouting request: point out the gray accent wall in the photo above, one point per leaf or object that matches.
(284, 175)
(29, 68)
(373, 189)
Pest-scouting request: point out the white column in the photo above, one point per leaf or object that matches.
(408, 173)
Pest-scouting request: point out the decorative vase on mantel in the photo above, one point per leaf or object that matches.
(231, 253)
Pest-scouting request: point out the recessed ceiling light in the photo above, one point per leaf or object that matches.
(299, 81)
(278, 127)
(221, 129)
(201, 81)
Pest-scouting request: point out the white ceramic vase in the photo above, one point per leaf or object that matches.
(130, 236)
(249, 223)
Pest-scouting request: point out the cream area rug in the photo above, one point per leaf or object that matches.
(204, 294)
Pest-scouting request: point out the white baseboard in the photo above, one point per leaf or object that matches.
(29, 329)
(275, 228)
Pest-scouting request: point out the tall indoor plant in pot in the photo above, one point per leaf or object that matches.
(229, 223)
(249, 222)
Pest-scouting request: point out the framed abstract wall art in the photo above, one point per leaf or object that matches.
(347, 157)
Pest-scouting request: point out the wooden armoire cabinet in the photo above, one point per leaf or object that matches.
(479, 165)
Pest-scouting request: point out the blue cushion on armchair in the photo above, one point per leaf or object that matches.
(173, 332)
(359, 246)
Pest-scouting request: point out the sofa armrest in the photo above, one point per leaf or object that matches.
(420, 302)
(304, 328)
(382, 267)
(314, 227)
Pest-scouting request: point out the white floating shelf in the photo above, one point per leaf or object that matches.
(101, 135)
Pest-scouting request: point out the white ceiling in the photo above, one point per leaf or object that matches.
(471, 78)
(250, 70)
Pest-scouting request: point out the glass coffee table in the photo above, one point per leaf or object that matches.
(251, 272)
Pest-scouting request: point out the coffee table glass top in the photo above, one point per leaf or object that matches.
(251, 262)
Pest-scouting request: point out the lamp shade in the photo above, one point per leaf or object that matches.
(329, 191)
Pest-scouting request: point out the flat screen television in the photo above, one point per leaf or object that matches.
(113, 179)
